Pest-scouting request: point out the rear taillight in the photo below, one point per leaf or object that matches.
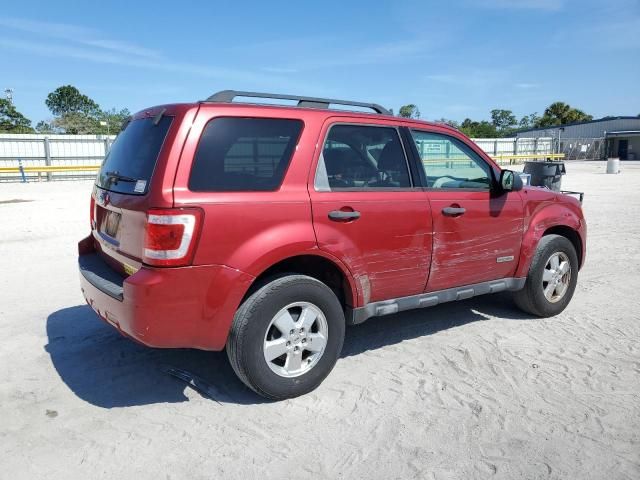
(170, 236)
(92, 213)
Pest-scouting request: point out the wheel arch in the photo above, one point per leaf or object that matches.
(548, 221)
(570, 234)
(327, 270)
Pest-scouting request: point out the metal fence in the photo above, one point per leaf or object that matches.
(582, 148)
(572, 148)
(32, 150)
(515, 146)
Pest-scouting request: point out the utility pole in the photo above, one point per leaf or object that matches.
(560, 130)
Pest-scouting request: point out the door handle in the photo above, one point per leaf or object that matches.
(453, 211)
(342, 216)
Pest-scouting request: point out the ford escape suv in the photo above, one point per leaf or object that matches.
(266, 229)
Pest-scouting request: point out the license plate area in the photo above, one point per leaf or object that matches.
(110, 223)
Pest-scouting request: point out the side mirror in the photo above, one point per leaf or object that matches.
(510, 181)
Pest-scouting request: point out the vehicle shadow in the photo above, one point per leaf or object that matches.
(107, 370)
(379, 332)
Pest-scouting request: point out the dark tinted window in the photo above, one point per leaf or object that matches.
(244, 154)
(129, 165)
(362, 157)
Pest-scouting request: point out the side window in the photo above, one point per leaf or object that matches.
(243, 154)
(362, 157)
(449, 163)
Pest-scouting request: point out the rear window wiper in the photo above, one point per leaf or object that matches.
(158, 117)
(116, 177)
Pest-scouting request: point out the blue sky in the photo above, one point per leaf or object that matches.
(454, 59)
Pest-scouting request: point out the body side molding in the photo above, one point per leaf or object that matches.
(429, 299)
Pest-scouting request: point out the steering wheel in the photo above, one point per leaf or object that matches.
(442, 180)
(381, 177)
(339, 183)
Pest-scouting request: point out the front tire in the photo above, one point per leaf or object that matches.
(286, 336)
(552, 278)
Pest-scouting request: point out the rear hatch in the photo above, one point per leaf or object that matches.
(120, 197)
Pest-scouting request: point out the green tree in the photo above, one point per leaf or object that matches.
(529, 121)
(451, 123)
(11, 120)
(482, 129)
(76, 113)
(560, 113)
(44, 127)
(503, 121)
(113, 119)
(409, 111)
(68, 99)
(76, 123)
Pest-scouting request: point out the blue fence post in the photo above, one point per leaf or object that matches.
(21, 168)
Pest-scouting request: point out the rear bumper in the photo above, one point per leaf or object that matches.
(187, 307)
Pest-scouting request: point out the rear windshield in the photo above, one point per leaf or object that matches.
(129, 165)
(243, 154)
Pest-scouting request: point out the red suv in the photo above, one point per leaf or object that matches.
(266, 229)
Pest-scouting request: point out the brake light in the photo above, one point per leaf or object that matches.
(92, 213)
(170, 236)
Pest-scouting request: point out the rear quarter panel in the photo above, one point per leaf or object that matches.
(251, 231)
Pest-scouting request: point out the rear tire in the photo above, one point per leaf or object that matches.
(271, 343)
(552, 278)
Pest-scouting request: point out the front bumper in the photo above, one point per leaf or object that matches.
(186, 307)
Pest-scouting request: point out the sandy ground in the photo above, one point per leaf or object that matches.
(468, 390)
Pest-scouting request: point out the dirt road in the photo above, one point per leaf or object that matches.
(474, 389)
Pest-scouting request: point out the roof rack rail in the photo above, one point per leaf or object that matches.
(227, 96)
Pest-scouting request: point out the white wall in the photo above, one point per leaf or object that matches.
(63, 150)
